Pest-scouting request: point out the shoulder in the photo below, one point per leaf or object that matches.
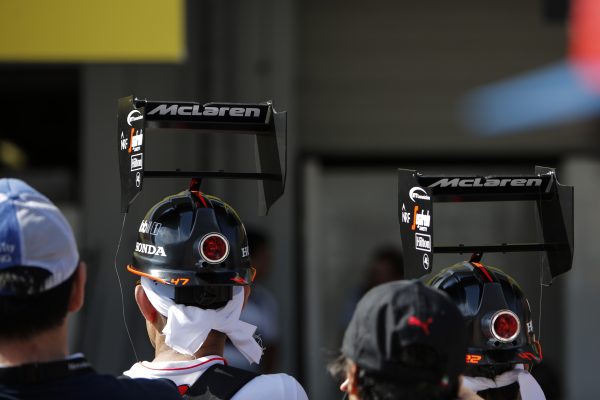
(128, 388)
(95, 386)
(272, 386)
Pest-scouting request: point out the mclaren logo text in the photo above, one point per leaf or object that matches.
(150, 249)
(198, 110)
(490, 182)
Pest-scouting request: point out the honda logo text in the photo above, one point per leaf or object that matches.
(150, 249)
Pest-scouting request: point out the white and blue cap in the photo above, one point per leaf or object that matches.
(34, 233)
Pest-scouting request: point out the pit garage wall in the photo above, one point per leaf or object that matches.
(582, 316)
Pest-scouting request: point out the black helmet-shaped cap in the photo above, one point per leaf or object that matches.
(497, 313)
(190, 240)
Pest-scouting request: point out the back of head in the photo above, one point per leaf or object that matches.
(408, 341)
(192, 254)
(498, 317)
(194, 247)
(386, 264)
(258, 240)
(38, 258)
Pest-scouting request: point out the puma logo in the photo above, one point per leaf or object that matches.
(414, 321)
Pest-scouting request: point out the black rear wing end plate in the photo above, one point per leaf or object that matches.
(417, 194)
(135, 116)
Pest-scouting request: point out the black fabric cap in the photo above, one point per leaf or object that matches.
(395, 321)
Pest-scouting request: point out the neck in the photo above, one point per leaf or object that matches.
(47, 346)
(214, 345)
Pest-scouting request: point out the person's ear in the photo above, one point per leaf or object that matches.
(146, 308)
(353, 384)
(247, 290)
(78, 289)
(350, 385)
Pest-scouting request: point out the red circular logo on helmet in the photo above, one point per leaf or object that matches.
(505, 326)
(214, 248)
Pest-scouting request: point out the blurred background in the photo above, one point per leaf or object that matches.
(444, 87)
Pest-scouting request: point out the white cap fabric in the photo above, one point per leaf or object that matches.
(34, 233)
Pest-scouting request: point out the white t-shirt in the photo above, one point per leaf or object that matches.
(186, 373)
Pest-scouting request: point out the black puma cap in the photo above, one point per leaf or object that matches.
(406, 330)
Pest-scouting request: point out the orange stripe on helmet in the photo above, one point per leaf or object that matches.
(140, 273)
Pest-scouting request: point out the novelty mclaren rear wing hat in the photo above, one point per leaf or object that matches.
(34, 234)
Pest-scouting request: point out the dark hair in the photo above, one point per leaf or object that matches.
(27, 311)
(257, 240)
(205, 297)
(374, 386)
(391, 255)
